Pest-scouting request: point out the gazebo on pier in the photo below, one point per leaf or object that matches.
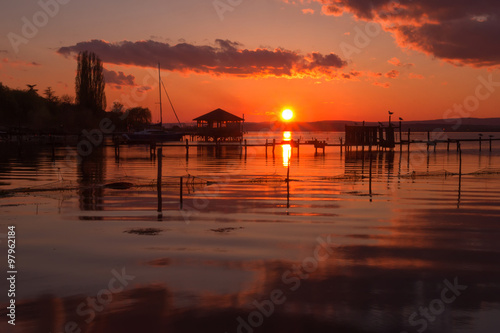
(219, 125)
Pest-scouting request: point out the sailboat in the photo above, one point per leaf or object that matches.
(158, 134)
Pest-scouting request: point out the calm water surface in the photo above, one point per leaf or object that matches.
(392, 242)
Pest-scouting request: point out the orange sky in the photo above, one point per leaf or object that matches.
(337, 60)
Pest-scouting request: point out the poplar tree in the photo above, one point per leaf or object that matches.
(89, 83)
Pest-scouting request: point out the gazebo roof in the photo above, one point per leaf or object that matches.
(219, 115)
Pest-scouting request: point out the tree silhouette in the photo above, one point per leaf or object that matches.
(138, 118)
(90, 82)
(50, 95)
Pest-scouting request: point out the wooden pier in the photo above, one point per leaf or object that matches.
(368, 138)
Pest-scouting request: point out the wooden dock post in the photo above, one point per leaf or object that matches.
(159, 182)
(187, 149)
(400, 133)
(180, 193)
(298, 148)
(266, 147)
(459, 162)
(152, 150)
(459, 173)
(491, 136)
(341, 146)
(480, 142)
(245, 148)
(274, 145)
(409, 135)
(370, 176)
(117, 150)
(288, 185)
(448, 145)
(53, 151)
(428, 139)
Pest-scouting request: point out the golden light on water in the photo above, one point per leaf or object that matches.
(287, 114)
(287, 153)
(287, 148)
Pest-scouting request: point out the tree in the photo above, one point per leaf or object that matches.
(90, 82)
(50, 95)
(117, 107)
(138, 117)
(67, 99)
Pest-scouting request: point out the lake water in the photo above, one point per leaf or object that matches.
(381, 242)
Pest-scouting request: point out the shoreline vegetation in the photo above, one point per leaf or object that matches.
(26, 112)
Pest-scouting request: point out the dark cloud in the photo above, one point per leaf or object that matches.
(392, 74)
(223, 58)
(463, 32)
(118, 78)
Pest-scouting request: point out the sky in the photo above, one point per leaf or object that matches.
(324, 59)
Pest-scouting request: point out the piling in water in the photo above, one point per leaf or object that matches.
(180, 193)
(158, 182)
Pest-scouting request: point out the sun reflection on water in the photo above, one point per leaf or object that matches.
(287, 148)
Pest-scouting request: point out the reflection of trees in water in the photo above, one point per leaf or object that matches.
(30, 156)
(91, 177)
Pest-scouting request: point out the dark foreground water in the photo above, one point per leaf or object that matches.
(409, 246)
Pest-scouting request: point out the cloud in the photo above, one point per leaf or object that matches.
(460, 32)
(392, 74)
(416, 76)
(223, 58)
(383, 85)
(118, 78)
(374, 74)
(396, 62)
(144, 88)
(19, 63)
(308, 11)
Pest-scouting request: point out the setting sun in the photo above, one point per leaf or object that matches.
(287, 114)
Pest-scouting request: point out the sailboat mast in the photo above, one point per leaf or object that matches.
(159, 90)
